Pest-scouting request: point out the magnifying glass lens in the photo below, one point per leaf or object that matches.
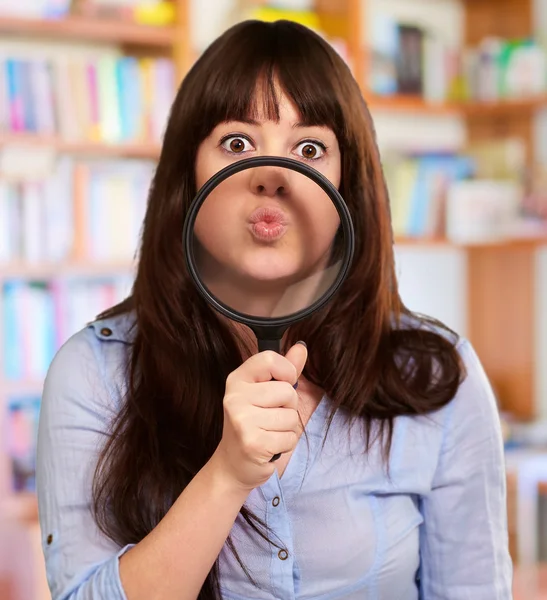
(267, 243)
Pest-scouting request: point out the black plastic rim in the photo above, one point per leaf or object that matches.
(268, 161)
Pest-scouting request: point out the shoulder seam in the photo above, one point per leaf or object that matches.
(462, 341)
(101, 365)
(449, 408)
(105, 332)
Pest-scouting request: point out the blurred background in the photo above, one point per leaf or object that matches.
(458, 92)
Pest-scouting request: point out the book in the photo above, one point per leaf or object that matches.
(156, 13)
(39, 316)
(21, 436)
(84, 210)
(418, 186)
(89, 97)
(409, 59)
(409, 67)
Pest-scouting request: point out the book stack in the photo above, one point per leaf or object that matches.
(149, 12)
(39, 316)
(98, 96)
(418, 188)
(482, 194)
(407, 59)
(22, 415)
(44, 9)
(86, 212)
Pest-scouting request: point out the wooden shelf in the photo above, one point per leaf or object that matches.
(503, 106)
(99, 30)
(130, 150)
(442, 242)
(49, 270)
(410, 241)
(19, 506)
(416, 104)
(21, 388)
(410, 104)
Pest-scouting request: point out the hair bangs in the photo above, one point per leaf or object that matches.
(263, 62)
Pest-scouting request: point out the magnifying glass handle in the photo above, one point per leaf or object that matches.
(278, 456)
(275, 345)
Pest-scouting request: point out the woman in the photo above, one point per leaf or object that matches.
(159, 420)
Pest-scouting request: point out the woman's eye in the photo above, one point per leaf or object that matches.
(311, 150)
(236, 145)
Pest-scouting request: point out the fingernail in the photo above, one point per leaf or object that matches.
(303, 343)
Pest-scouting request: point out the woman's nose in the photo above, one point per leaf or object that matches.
(270, 181)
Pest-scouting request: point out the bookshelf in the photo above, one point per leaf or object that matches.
(502, 280)
(23, 270)
(96, 30)
(531, 242)
(130, 39)
(58, 145)
(501, 276)
(508, 353)
(416, 104)
(344, 19)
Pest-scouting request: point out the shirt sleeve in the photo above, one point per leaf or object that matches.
(464, 539)
(81, 563)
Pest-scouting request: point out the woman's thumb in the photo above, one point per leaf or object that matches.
(298, 355)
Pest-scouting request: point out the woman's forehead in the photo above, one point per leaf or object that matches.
(286, 112)
(286, 109)
(266, 100)
(269, 101)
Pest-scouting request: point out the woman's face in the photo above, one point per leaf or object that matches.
(267, 225)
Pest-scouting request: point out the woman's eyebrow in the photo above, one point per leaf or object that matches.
(301, 124)
(246, 121)
(254, 122)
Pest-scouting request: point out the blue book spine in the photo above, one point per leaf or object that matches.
(13, 339)
(14, 95)
(122, 98)
(29, 102)
(131, 96)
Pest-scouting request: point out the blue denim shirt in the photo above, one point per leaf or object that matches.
(434, 529)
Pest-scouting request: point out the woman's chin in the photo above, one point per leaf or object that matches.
(269, 270)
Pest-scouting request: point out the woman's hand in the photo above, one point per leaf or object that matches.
(260, 416)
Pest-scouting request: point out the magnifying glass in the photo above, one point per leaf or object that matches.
(268, 241)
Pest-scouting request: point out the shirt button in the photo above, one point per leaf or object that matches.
(49, 539)
(276, 501)
(106, 331)
(283, 555)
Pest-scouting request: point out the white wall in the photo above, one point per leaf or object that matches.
(433, 281)
(418, 133)
(208, 20)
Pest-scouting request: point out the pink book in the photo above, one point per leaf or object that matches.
(59, 294)
(95, 117)
(19, 434)
(14, 72)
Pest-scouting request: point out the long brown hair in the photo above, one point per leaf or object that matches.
(366, 350)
